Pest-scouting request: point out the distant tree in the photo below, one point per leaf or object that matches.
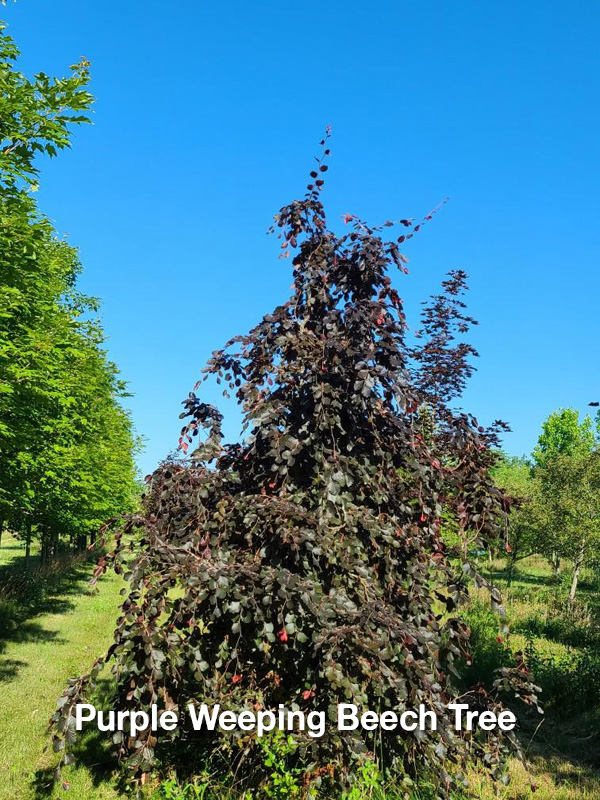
(570, 492)
(564, 434)
(525, 529)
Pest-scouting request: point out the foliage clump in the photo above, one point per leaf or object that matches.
(307, 565)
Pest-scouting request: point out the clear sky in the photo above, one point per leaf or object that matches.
(206, 120)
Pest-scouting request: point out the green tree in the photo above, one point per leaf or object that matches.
(565, 496)
(66, 444)
(36, 115)
(563, 434)
(524, 533)
(570, 491)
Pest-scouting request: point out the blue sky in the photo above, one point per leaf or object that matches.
(206, 120)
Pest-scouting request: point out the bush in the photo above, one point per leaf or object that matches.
(569, 679)
(489, 650)
(554, 619)
(9, 613)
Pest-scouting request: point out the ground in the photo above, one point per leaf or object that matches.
(36, 660)
(60, 636)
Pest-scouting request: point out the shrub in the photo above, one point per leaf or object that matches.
(569, 679)
(488, 649)
(283, 780)
(9, 613)
(574, 626)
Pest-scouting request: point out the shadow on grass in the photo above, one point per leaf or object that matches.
(9, 668)
(503, 577)
(566, 749)
(588, 587)
(92, 751)
(24, 596)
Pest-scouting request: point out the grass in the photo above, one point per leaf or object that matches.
(60, 624)
(36, 658)
(563, 650)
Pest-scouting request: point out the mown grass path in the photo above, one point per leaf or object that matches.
(36, 660)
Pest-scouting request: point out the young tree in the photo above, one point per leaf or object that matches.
(570, 488)
(563, 434)
(525, 529)
(565, 443)
(305, 565)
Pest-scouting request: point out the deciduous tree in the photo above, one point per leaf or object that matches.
(305, 565)
(66, 443)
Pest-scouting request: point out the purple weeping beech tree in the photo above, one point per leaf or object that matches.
(309, 565)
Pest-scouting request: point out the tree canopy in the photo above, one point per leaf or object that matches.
(66, 443)
(564, 434)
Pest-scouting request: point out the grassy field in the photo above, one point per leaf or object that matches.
(59, 634)
(563, 649)
(51, 644)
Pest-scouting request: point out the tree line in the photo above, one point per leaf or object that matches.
(66, 443)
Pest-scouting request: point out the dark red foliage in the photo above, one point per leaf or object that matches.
(308, 564)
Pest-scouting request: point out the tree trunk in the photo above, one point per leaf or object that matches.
(27, 545)
(46, 546)
(512, 563)
(576, 573)
(53, 545)
(556, 564)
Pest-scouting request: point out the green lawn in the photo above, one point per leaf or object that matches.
(61, 635)
(562, 747)
(36, 659)
(13, 551)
